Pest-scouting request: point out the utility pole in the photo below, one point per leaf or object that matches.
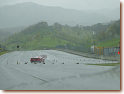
(93, 46)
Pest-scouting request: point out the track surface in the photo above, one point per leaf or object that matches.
(54, 75)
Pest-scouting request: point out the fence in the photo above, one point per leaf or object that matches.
(110, 51)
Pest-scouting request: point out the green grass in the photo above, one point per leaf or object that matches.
(109, 64)
(3, 52)
(109, 43)
(39, 43)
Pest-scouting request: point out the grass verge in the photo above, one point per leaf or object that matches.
(108, 64)
(3, 52)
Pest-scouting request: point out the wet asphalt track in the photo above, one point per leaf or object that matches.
(61, 72)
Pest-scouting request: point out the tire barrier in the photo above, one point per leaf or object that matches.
(26, 63)
(17, 62)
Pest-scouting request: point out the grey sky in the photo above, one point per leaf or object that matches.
(71, 4)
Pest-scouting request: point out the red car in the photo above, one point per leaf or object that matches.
(38, 59)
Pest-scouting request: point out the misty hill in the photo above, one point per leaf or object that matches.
(113, 14)
(6, 32)
(106, 35)
(13, 29)
(43, 36)
(26, 14)
(4, 35)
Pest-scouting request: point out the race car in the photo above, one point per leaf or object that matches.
(38, 59)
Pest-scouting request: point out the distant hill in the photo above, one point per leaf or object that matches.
(44, 36)
(6, 32)
(25, 14)
(107, 35)
(4, 35)
(13, 29)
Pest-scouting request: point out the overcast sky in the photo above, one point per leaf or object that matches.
(71, 4)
